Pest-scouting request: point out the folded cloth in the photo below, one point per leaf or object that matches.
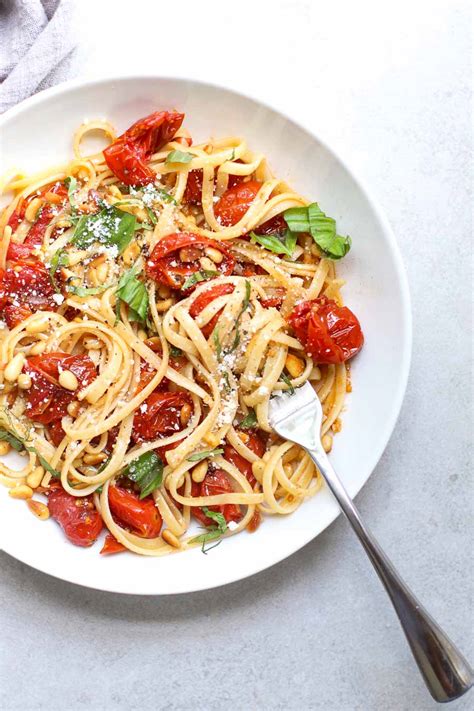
(37, 40)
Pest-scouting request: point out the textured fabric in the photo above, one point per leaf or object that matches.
(36, 42)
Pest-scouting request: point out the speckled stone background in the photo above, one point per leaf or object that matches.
(388, 85)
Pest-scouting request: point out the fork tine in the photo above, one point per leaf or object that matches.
(288, 404)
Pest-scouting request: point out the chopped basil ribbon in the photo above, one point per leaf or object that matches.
(151, 215)
(179, 157)
(146, 471)
(321, 227)
(175, 352)
(287, 381)
(278, 245)
(58, 260)
(88, 291)
(245, 305)
(11, 439)
(206, 453)
(217, 343)
(133, 292)
(71, 184)
(201, 275)
(19, 444)
(110, 226)
(213, 532)
(249, 421)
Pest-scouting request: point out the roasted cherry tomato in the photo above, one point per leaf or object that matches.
(328, 332)
(235, 202)
(168, 266)
(215, 482)
(128, 154)
(193, 192)
(46, 399)
(204, 299)
(159, 416)
(25, 289)
(275, 226)
(139, 515)
(18, 215)
(56, 432)
(77, 516)
(274, 301)
(256, 445)
(111, 545)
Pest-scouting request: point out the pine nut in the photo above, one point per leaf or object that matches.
(14, 368)
(39, 509)
(38, 348)
(38, 325)
(53, 197)
(199, 472)
(24, 381)
(164, 291)
(214, 254)
(35, 477)
(207, 264)
(76, 257)
(164, 305)
(102, 271)
(142, 335)
(32, 209)
(21, 492)
(211, 439)
(153, 343)
(294, 365)
(189, 254)
(327, 442)
(92, 344)
(185, 414)
(131, 253)
(243, 436)
(337, 425)
(170, 538)
(92, 276)
(46, 479)
(68, 380)
(315, 373)
(94, 458)
(4, 448)
(73, 408)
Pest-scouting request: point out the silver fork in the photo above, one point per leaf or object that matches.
(446, 672)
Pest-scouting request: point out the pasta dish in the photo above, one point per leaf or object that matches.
(153, 298)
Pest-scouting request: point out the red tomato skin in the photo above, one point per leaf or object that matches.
(193, 191)
(204, 299)
(215, 482)
(160, 417)
(18, 215)
(331, 334)
(77, 516)
(141, 516)
(127, 155)
(165, 267)
(111, 546)
(276, 225)
(26, 288)
(235, 202)
(256, 445)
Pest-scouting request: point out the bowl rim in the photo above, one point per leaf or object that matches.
(391, 417)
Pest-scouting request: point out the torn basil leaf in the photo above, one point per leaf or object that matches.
(249, 421)
(322, 228)
(179, 157)
(110, 226)
(146, 471)
(133, 292)
(274, 243)
(199, 456)
(201, 275)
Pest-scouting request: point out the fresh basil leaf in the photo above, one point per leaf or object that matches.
(133, 292)
(175, 352)
(146, 471)
(179, 157)
(275, 243)
(110, 226)
(71, 184)
(45, 464)
(88, 291)
(297, 219)
(58, 260)
(151, 215)
(217, 343)
(213, 532)
(287, 381)
(321, 227)
(165, 196)
(201, 275)
(11, 439)
(199, 456)
(249, 421)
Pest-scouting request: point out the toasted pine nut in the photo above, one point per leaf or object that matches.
(142, 335)
(199, 472)
(68, 380)
(315, 373)
(32, 209)
(76, 257)
(94, 458)
(4, 448)
(337, 425)
(46, 479)
(38, 348)
(211, 439)
(21, 492)
(214, 254)
(131, 253)
(92, 344)
(243, 436)
(170, 538)
(53, 197)
(185, 414)
(164, 305)
(207, 264)
(153, 343)
(37, 325)
(92, 276)
(294, 365)
(189, 254)
(35, 477)
(14, 368)
(24, 381)
(327, 442)
(73, 408)
(39, 509)
(102, 271)
(94, 355)
(164, 291)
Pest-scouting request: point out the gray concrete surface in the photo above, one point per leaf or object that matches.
(315, 632)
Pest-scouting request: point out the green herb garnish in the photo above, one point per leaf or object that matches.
(287, 381)
(133, 292)
(88, 290)
(146, 471)
(110, 226)
(217, 343)
(71, 184)
(175, 352)
(179, 157)
(201, 275)
(213, 532)
(276, 244)
(322, 228)
(11, 439)
(19, 444)
(249, 421)
(58, 260)
(199, 456)
(245, 305)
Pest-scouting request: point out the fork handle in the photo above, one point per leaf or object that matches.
(445, 671)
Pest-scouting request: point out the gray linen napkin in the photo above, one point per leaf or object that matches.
(36, 44)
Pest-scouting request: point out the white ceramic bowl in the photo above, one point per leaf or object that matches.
(37, 134)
